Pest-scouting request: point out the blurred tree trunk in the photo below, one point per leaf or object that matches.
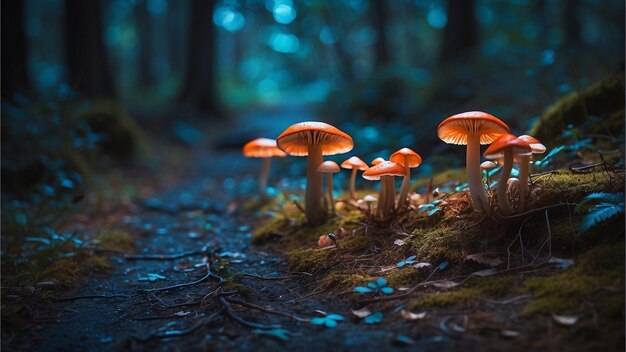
(14, 66)
(143, 22)
(379, 18)
(539, 14)
(200, 87)
(175, 44)
(572, 22)
(87, 60)
(460, 34)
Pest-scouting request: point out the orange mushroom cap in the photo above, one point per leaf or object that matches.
(328, 167)
(377, 161)
(262, 148)
(497, 148)
(412, 157)
(456, 128)
(354, 163)
(296, 139)
(386, 168)
(534, 143)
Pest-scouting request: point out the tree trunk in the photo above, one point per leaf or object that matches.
(460, 33)
(143, 22)
(87, 61)
(379, 18)
(14, 53)
(572, 22)
(200, 88)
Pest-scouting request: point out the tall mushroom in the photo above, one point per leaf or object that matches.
(329, 168)
(385, 172)
(473, 128)
(508, 145)
(314, 139)
(409, 159)
(354, 164)
(524, 174)
(264, 148)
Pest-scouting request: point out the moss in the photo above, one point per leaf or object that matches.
(308, 260)
(601, 267)
(565, 186)
(115, 241)
(601, 99)
(444, 242)
(338, 281)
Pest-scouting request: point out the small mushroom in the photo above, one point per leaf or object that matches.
(385, 172)
(487, 166)
(509, 145)
(264, 148)
(369, 199)
(473, 128)
(314, 139)
(513, 189)
(354, 164)
(329, 168)
(409, 159)
(524, 161)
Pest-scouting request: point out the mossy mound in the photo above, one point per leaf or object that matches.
(563, 186)
(604, 100)
(122, 137)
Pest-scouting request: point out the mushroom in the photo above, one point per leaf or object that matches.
(264, 148)
(473, 128)
(487, 166)
(524, 160)
(512, 187)
(355, 164)
(369, 199)
(377, 161)
(329, 168)
(385, 172)
(409, 159)
(314, 139)
(508, 145)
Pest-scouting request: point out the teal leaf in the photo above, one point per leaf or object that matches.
(381, 282)
(335, 317)
(330, 323)
(361, 289)
(443, 266)
(318, 321)
(387, 290)
(373, 318)
(280, 334)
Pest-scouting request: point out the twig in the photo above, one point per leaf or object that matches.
(92, 297)
(532, 211)
(182, 332)
(202, 250)
(267, 310)
(299, 206)
(231, 314)
(284, 277)
(208, 275)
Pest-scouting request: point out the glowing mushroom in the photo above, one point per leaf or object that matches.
(329, 168)
(524, 160)
(509, 145)
(314, 139)
(409, 159)
(473, 128)
(264, 148)
(354, 164)
(385, 172)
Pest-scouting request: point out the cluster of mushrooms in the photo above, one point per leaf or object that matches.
(316, 139)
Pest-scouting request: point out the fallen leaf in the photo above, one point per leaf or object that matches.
(486, 272)
(398, 242)
(485, 258)
(412, 316)
(444, 284)
(422, 265)
(565, 320)
(181, 313)
(362, 313)
(561, 263)
(373, 318)
(404, 340)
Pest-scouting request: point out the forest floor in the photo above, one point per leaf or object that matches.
(203, 213)
(198, 262)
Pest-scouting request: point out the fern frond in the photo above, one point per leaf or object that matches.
(599, 214)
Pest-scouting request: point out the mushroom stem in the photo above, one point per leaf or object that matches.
(329, 189)
(352, 182)
(474, 178)
(404, 191)
(382, 198)
(313, 194)
(265, 171)
(391, 193)
(503, 201)
(523, 180)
